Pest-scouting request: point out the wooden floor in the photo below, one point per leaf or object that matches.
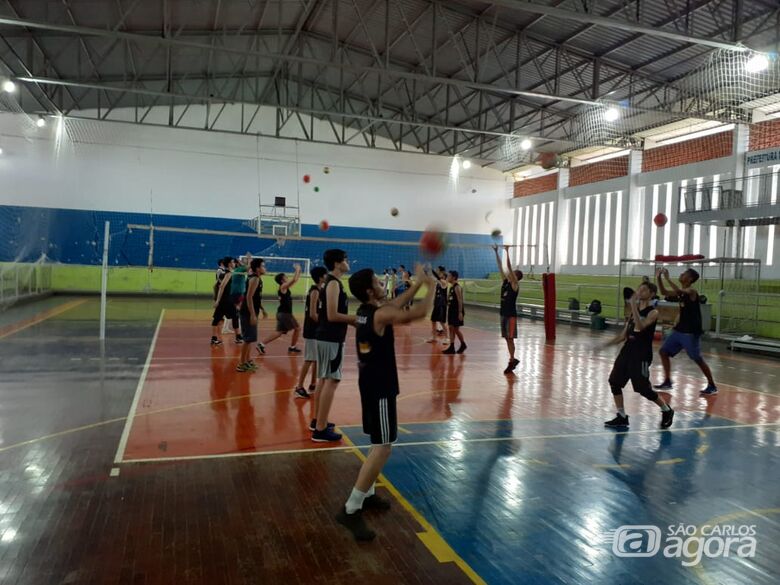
(150, 460)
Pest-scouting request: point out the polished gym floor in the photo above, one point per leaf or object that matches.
(148, 459)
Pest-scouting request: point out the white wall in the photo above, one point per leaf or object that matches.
(125, 167)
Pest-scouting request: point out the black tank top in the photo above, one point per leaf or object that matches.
(257, 297)
(452, 300)
(285, 301)
(309, 325)
(440, 300)
(508, 299)
(640, 342)
(327, 331)
(690, 315)
(377, 371)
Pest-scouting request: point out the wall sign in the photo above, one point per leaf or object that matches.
(763, 158)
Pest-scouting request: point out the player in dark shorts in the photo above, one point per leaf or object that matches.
(309, 333)
(439, 312)
(331, 333)
(251, 306)
(633, 361)
(378, 383)
(223, 306)
(455, 313)
(510, 287)
(285, 321)
(687, 331)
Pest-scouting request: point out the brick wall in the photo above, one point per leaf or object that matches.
(599, 171)
(765, 135)
(690, 151)
(537, 185)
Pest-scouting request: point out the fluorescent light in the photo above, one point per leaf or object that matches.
(9, 86)
(526, 144)
(757, 63)
(609, 155)
(40, 122)
(699, 134)
(467, 164)
(611, 114)
(1, 151)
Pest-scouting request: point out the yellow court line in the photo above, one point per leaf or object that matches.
(41, 317)
(430, 537)
(670, 461)
(404, 431)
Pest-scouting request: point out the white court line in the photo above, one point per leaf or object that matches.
(444, 442)
(120, 450)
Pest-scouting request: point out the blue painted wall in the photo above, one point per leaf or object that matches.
(76, 237)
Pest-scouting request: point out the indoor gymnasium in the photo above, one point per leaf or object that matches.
(389, 292)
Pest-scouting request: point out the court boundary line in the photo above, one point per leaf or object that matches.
(120, 450)
(14, 328)
(442, 442)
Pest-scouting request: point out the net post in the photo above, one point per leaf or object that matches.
(104, 282)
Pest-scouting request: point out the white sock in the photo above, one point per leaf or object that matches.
(621, 411)
(371, 490)
(355, 501)
(665, 407)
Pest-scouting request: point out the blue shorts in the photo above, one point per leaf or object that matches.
(678, 341)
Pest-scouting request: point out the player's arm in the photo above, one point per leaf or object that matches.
(333, 306)
(498, 261)
(296, 277)
(642, 323)
(314, 297)
(510, 271)
(391, 314)
(250, 302)
(619, 338)
(222, 286)
(459, 295)
(659, 276)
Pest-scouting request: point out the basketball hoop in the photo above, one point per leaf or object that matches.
(280, 241)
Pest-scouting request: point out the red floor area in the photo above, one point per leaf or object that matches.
(195, 404)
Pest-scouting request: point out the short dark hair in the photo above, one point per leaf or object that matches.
(693, 274)
(653, 288)
(454, 274)
(221, 262)
(442, 269)
(317, 272)
(227, 260)
(360, 283)
(256, 263)
(519, 274)
(332, 257)
(278, 278)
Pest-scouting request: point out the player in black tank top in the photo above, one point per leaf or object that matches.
(309, 332)
(633, 362)
(284, 314)
(510, 288)
(688, 329)
(328, 330)
(223, 307)
(456, 310)
(439, 312)
(378, 383)
(251, 306)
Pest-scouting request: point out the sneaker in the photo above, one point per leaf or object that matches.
(450, 350)
(300, 392)
(251, 366)
(326, 436)
(260, 348)
(242, 368)
(665, 385)
(667, 417)
(216, 341)
(710, 390)
(293, 349)
(356, 525)
(462, 348)
(619, 421)
(239, 340)
(511, 366)
(313, 425)
(376, 502)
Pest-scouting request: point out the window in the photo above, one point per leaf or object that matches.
(534, 233)
(653, 228)
(618, 226)
(596, 228)
(540, 241)
(575, 244)
(668, 226)
(586, 232)
(607, 227)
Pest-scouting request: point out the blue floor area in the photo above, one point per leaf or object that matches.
(533, 501)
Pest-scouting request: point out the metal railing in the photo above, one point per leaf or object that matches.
(21, 281)
(739, 193)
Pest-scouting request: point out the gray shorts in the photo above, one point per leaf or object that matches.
(310, 350)
(330, 356)
(285, 322)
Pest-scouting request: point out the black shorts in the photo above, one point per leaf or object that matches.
(509, 327)
(439, 314)
(285, 322)
(379, 418)
(225, 310)
(452, 319)
(633, 368)
(248, 331)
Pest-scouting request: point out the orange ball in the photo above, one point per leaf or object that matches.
(306, 178)
(660, 220)
(324, 225)
(432, 243)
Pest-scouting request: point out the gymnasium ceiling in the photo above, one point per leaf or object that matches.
(441, 76)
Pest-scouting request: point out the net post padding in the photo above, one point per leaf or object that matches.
(548, 286)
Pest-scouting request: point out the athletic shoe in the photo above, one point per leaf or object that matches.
(326, 436)
(356, 525)
(313, 425)
(511, 366)
(667, 416)
(450, 350)
(293, 349)
(239, 340)
(710, 390)
(665, 385)
(260, 348)
(242, 368)
(375, 502)
(619, 421)
(216, 342)
(251, 366)
(462, 348)
(300, 392)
